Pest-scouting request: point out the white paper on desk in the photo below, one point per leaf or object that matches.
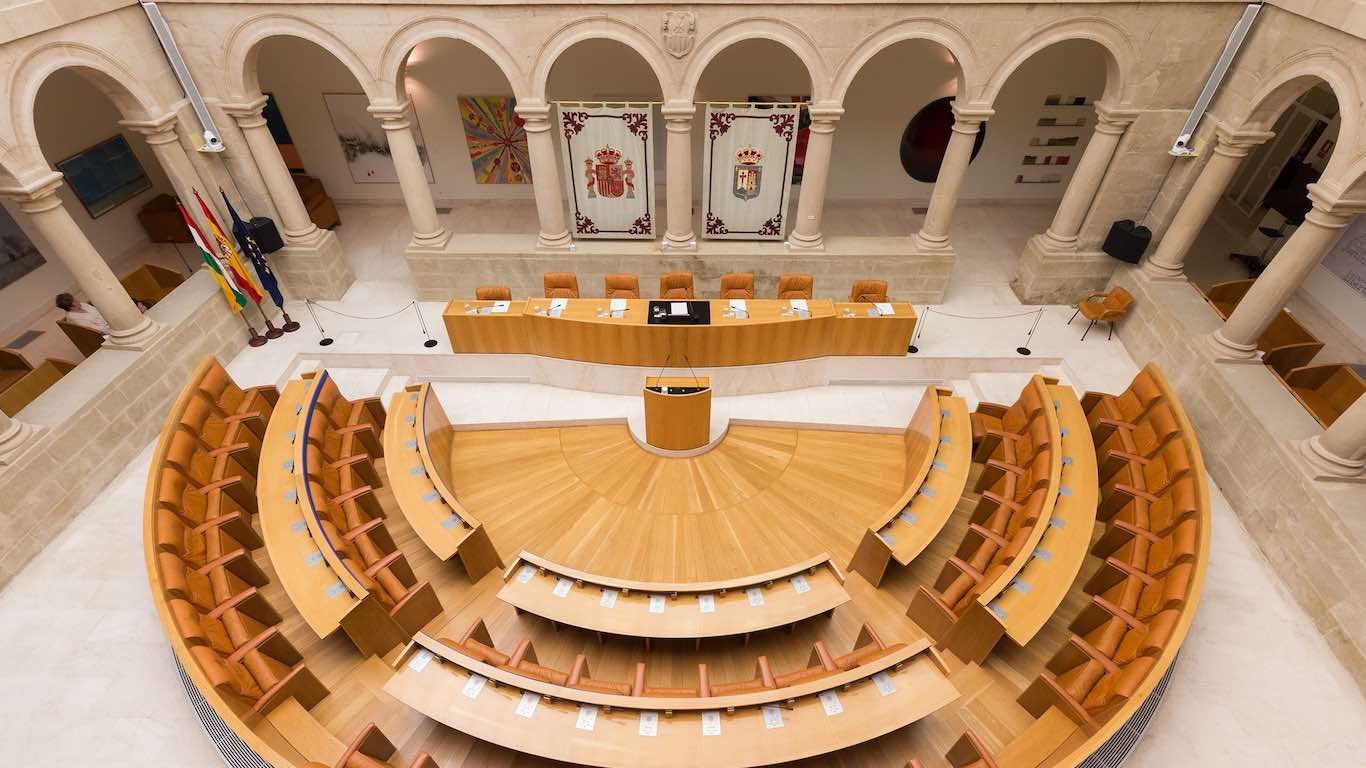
(562, 587)
(473, 686)
(706, 603)
(656, 603)
(500, 307)
(618, 305)
(609, 598)
(885, 309)
(799, 305)
(799, 583)
(711, 723)
(773, 716)
(524, 575)
(420, 660)
(558, 304)
(755, 596)
(678, 307)
(527, 706)
(649, 723)
(588, 717)
(830, 702)
(740, 307)
(884, 684)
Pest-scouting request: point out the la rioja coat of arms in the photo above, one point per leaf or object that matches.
(749, 173)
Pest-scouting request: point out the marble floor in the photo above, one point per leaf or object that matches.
(1256, 684)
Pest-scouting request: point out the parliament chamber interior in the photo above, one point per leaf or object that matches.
(451, 384)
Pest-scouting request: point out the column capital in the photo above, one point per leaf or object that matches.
(1332, 208)
(157, 130)
(533, 110)
(16, 438)
(1113, 119)
(36, 195)
(975, 114)
(825, 112)
(394, 116)
(678, 109)
(1232, 142)
(246, 113)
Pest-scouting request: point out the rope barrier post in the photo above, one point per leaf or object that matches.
(430, 342)
(1024, 350)
(326, 340)
(919, 326)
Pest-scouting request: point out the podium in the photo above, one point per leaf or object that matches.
(677, 412)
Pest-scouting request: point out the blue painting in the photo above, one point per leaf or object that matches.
(105, 176)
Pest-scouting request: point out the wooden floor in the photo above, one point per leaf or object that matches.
(590, 498)
(765, 502)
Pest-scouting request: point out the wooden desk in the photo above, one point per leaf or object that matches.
(677, 422)
(28, 387)
(532, 580)
(437, 687)
(437, 517)
(586, 332)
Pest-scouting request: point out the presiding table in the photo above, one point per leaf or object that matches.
(769, 331)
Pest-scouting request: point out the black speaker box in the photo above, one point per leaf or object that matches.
(266, 234)
(1127, 240)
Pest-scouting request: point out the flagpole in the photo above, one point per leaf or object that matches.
(271, 331)
(264, 273)
(256, 340)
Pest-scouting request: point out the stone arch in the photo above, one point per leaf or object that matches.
(393, 61)
(763, 28)
(244, 45)
(601, 28)
(134, 98)
(932, 30)
(1120, 56)
(1290, 80)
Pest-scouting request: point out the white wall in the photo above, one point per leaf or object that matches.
(71, 116)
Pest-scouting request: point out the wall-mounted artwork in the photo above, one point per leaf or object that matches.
(275, 122)
(496, 138)
(18, 256)
(363, 141)
(105, 175)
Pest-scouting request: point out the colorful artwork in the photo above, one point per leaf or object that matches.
(105, 176)
(18, 257)
(364, 143)
(496, 138)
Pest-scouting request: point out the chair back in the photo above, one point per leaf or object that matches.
(86, 339)
(561, 285)
(737, 285)
(12, 360)
(621, 286)
(675, 285)
(869, 291)
(1118, 300)
(795, 286)
(493, 293)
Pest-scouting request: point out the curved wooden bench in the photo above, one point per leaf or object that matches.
(654, 610)
(1326, 391)
(415, 429)
(939, 440)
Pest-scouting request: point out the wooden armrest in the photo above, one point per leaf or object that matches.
(383, 563)
(228, 450)
(366, 427)
(219, 485)
(1117, 612)
(992, 409)
(1093, 653)
(347, 461)
(1006, 466)
(988, 534)
(220, 561)
(363, 529)
(252, 644)
(266, 392)
(232, 602)
(351, 495)
(233, 418)
(1129, 490)
(968, 570)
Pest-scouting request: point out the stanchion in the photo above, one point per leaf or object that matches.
(325, 341)
(430, 342)
(1024, 350)
(919, 326)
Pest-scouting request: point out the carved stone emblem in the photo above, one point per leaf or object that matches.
(679, 29)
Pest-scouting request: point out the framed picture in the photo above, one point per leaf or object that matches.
(363, 141)
(18, 256)
(105, 175)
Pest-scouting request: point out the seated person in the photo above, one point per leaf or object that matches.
(81, 313)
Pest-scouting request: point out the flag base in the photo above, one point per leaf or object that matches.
(290, 326)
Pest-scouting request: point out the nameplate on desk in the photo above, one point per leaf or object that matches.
(884, 684)
(884, 309)
(451, 522)
(649, 723)
(410, 445)
(336, 590)
(588, 717)
(830, 702)
(656, 603)
(609, 598)
(288, 465)
(773, 716)
(473, 686)
(526, 706)
(562, 587)
(525, 573)
(298, 526)
(418, 470)
(711, 722)
(313, 558)
(800, 584)
(291, 495)
(431, 496)
(706, 603)
(412, 420)
(420, 660)
(755, 596)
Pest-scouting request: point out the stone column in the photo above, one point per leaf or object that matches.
(678, 231)
(806, 233)
(129, 329)
(1230, 148)
(246, 177)
(294, 219)
(1340, 452)
(412, 176)
(1307, 246)
(545, 174)
(1086, 179)
(161, 136)
(15, 437)
(934, 234)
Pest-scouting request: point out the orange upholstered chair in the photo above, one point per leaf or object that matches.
(561, 285)
(623, 286)
(795, 286)
(869, 291)
(737, 285)
(493, 293)
(675, 285)
(1103, 307)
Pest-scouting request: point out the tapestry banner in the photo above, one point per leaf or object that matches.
(608, 169)
(747, 170)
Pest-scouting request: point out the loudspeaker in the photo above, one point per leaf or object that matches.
(266, 234)
(1127, 241)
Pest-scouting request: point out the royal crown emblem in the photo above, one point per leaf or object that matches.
(606, 176)
(749, 173)
(607, 155)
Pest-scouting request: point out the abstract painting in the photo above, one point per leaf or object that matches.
(363, 141)
(496, 138)
(105, 175)
(18, 257)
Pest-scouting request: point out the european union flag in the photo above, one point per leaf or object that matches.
(247, 243)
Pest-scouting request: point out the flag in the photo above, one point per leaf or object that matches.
(235, 298)
(253, 252)
(237, 271)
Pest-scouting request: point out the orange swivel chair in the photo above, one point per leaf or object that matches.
(1103, 307)
(737, 285)
(675, 285)
(561, 285)
(869, 291)
(493, 293)
(795, 286)
(623, 286)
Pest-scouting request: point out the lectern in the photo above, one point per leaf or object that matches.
(677, 412)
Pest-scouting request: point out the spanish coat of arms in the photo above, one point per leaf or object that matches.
(605, 175)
